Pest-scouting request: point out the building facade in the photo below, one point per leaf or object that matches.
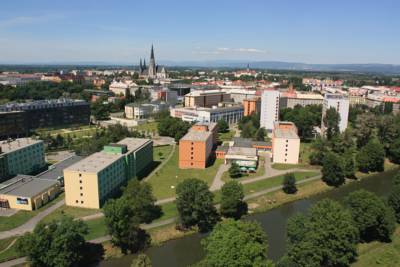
(285, 143)
(341, 104)
(205, 98)
(21, 156)
(93, 180)
(251, 106)
(269, 109)
(298, 99)
(196, 146)
(20, 118)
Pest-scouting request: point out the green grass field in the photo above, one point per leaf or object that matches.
(69, 211)
(274, 181)
(97, 228)
(21, 217)
(164, 150)
(377, 254)
(147, 127)
(165, 180)
(8, 254)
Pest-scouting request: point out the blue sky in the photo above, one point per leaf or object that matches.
(310, 31)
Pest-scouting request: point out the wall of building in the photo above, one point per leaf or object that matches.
(77, 183)
(194, 154)
(25, 160)
(285, 150)
(143, 157)
(269, 109)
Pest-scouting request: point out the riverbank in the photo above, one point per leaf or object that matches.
(256, 205)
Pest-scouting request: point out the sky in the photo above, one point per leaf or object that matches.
(308, 31)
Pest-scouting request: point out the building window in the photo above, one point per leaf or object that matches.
(81, 188)
(76, 201)
(80, 181)
(81, 201)
(80, 175)
(81, 194)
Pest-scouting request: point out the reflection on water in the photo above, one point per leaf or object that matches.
(185, 251)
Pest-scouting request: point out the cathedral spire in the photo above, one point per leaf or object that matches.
(152, 52)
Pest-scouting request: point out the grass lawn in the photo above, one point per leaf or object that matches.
(22, 216)
(283, 166)
(69, 211)
(147, 127)
(165, 150)
(379, 254)
(73, 132)
(169, 211)
(274, 181)
(166, 179)
(259, 172)
(226, 136)
(97, 228)
(8, 254)
(305, 151)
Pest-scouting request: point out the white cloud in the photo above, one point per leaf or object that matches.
(27, 20)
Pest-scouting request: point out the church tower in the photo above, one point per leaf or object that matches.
(152, 65)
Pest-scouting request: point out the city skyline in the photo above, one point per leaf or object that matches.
(94, 31)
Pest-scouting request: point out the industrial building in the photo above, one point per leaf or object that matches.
(20, 156)
(285, 143)
(91, 181)
(18, 119)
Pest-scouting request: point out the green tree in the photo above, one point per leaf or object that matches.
(374, 219)
(172, 127)
(248, 130)
(123, 226)
(234, 171)
(237, 244)
(332, 170)
(223, 126)
(58, 243)
(394, 151)
(141, 200)
(349, 163)
(394, 201)
(364, 128)
(289, 184)
(260, 134)
(396, 179)
(331, 123)
(99, 110)
(195, 205)
(232, 204)
(371, 157)
(142, 260)
(326, 236)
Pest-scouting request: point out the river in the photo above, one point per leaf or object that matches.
(187, 250)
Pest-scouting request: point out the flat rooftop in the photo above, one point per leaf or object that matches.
(56, 170)
(25, 186)
(211, 125)
(243, 151)
(196, 136)
(134, 143)
(285, 133)
(94, 163)
(12, 145)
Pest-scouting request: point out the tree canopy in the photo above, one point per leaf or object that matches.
(331, 122)
(326, 236)
(195, 205)
(371, 157)
(374, 219)
(237, 244)
(333, 170)
(223, 126)
(289, 184)
(232, 204)
(173, 127)
(58, 243)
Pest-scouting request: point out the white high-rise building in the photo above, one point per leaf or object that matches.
(341, 104)
(269, 109)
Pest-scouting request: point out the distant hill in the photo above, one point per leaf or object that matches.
(279, 65)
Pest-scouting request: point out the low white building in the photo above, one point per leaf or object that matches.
(123, 87)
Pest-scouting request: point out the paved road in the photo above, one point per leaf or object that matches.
(30, 225)
(217, 182)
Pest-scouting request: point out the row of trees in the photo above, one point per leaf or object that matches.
(172, 127)
(329, 233)
(250, 128)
